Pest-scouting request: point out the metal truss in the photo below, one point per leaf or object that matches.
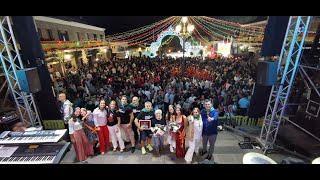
(287, 68)
(11, 63)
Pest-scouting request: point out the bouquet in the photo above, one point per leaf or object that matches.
(174, 127)
(158, 130)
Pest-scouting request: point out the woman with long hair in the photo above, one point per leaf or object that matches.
(79, 139)
(194, 134)
(100, 122)
(180, 135)
(88, 126)
(113, 122)
(171, 136)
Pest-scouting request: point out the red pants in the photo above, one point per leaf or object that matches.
(104, 138)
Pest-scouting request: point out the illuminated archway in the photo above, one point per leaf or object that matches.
(169, 32)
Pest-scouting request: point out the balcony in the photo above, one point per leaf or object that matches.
(70, 45)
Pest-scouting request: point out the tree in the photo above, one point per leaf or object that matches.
(201, 52)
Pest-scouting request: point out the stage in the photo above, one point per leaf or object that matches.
(227, 151)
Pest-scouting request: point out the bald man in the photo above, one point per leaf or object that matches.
(66, 111)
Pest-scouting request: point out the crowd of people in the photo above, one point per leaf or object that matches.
(113, 95)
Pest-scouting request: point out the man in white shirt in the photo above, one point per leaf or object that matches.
(191, 98)
(66, 111)
(147, 93)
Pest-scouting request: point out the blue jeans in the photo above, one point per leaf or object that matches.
(145, 134)
(158, 142)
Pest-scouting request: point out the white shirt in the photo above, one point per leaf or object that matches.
(99, 117)
(171, 97)
(187, 85)
(147, 93)
(74, 126)
(197, 129)
(114, 70)
(166, 98)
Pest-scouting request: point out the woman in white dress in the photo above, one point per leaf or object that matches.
(171, 136)
(194, 134)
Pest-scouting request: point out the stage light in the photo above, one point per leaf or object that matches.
(184, 19)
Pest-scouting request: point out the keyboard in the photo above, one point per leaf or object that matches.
(33, 154)
(42, 136)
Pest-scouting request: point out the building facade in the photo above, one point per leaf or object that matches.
(51, 29)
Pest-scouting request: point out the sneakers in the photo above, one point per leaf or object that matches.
(102, 153)
(188, 162)
(121, 150)
(149, 147)
(171, 149)
(114, 149)
(143, 150)
(203, 152)
(133, 149)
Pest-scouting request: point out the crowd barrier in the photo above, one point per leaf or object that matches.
(53, 124)
(240, 121)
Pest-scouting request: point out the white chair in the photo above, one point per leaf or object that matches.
(316, 161)
(256, 158)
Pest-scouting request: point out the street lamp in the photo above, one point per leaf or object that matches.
(185, 31)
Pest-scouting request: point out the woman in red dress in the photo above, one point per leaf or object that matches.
(180, 135)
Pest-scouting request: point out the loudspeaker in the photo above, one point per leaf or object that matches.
(274, 35)
(29, 80)
(259, 101)
(267, 73)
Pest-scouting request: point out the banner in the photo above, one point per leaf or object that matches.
(224, 48)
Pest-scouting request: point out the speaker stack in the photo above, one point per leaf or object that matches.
(29, 80)
(267, 69)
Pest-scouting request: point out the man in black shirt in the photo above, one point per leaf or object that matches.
(146, 113)
(136, 109)
(126, 118)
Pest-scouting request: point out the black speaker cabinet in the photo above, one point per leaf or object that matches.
(29, 80)
(274, 35)
(267, 73)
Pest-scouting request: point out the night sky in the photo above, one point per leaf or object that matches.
(118, 24)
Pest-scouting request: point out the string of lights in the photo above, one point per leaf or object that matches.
(137, 30)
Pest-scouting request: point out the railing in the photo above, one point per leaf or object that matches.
(61, 45)
(240, 121)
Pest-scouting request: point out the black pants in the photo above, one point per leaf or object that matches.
(243, 111)
(135, 130)
(67, 136)
(166, 106)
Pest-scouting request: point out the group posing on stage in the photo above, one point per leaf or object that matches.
(104, 125)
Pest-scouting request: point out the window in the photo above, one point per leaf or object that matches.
(87, 36)
(95, 37)
(101, 37)
(77, 36)
(40, 34)
(63, 35)
(45, 34)
(50, 35)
